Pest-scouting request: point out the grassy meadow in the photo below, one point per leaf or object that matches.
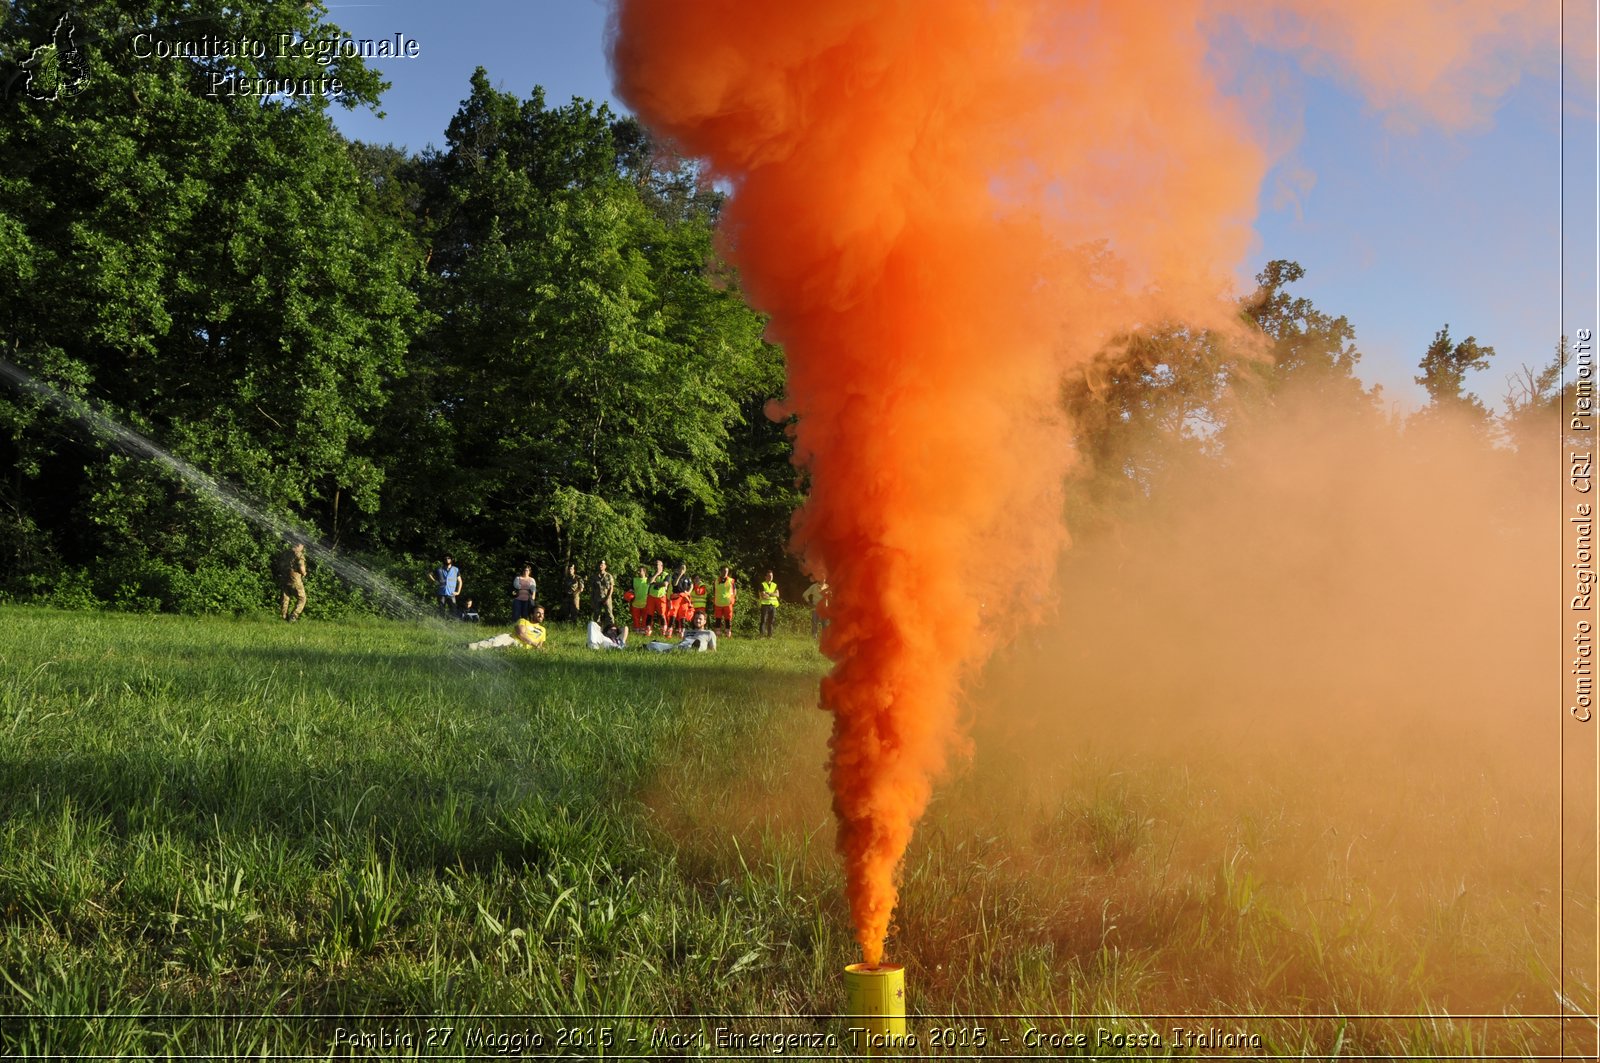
(240, 837)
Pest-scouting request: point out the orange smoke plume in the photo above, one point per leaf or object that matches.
(939, 203)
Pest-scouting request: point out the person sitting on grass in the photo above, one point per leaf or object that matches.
(526, 634)
(697, 637)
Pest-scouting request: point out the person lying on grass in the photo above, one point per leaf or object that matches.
(607, 638)
(528, 634)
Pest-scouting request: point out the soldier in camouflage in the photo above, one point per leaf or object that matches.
(601, 586)
(290, 568)
(575, 593)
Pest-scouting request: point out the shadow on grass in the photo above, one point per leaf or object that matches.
(443, 757)
(218, 799)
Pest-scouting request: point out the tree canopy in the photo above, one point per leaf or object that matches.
(522, 348)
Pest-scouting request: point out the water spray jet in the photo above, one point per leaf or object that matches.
(81, 412)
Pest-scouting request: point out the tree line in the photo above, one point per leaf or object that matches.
(1167, 404)
(521, 348)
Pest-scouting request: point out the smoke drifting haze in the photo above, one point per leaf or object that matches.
(1329, 558)
(1347, 629)
(942, 205)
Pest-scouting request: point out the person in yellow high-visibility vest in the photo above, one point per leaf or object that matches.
(722, 596)
(769, 605)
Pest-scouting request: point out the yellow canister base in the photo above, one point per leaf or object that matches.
(875, 998)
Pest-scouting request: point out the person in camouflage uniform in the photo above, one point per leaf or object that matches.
(601, 587)
(290, 568)
(575, 589)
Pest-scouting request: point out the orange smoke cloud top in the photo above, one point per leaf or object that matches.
(940, 203)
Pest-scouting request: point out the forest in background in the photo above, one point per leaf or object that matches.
(520, 348)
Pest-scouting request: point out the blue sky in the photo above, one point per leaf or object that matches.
(1399, 231)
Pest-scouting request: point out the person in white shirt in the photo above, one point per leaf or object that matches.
(696, 637)
(524, 590)
(612, 638)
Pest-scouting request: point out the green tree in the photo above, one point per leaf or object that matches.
(1151, 400)
(525, 342)
(1308, 347)
(578, 393)
(1444, 367)
(1164, 401)
(1533, 403)
(204, 264)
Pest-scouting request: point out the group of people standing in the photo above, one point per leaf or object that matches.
(599, 587)
(676, 599)
(449, 587)
(671, 600)
(680, 602)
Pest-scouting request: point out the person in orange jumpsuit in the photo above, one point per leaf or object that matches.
(656, 603)
(723, 594)
(637, 597)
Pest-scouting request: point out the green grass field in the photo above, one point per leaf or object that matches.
(244, 837)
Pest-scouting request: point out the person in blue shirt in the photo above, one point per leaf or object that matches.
(447, 583)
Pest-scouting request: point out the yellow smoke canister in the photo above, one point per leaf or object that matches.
(875, 997)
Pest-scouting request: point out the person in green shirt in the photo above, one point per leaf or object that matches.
(641, 595)
(722, 596)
